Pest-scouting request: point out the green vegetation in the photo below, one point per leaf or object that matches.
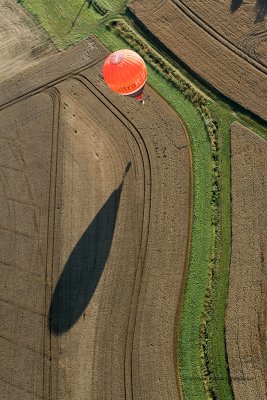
(66, 22)
(100, 6)
(201, 347)
(212, 327)
(70, 21)
(195, 365)
(158, 63)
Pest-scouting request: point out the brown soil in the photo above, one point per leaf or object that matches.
(241, 23)
(93, 249)
(22, 42)
(203, 48)
(246, 321)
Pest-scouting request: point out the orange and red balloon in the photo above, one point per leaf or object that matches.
(125, 73)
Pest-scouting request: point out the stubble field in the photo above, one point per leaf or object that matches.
(22, 42)
(242, 24)
(246, 322)
(96, 216)
(204, 50)
(97, 210)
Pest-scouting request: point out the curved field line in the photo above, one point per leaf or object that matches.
(142, 253)
(145, 235)
(49, 84)
(246, 310)
(251, 41)
(136, 133)
(55, 96)
(138, 279)
(209, 29)
(147, 171)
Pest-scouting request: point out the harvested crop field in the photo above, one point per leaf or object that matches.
(206, 52)
(22, 42)
(95, 224)
(246, 321)
(242, 24)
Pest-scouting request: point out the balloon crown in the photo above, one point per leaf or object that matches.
(116, 58)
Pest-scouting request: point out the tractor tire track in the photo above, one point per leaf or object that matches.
(123, 344)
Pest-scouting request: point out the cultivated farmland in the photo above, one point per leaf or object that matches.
(241, 23)
(206, 52)
(115, 224)
(95, 221)
(22, 42)
(246, 320)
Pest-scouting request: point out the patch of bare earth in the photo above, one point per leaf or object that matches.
(207, 47)
(22, 41)
(246, 321)
(95, 227)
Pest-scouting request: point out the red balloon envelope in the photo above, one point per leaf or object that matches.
(125, 73)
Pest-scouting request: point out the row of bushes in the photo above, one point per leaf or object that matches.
(100, 7)
(158, 63)
(201, 102)
(205, 332)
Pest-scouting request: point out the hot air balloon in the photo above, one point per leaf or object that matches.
(125, 73)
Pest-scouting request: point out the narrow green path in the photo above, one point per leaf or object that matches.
(201, 348)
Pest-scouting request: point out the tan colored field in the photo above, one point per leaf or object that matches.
(240, 23)
(95, 220)
(206, 52)
(246, 321)
(22, 42)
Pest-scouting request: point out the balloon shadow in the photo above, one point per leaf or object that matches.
(84, 267)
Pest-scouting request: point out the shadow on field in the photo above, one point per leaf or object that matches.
(260, 8)
(235, 5)
(84, 267)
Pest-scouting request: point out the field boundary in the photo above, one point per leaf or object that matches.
(159, 64)
(205, 56)
(209, 29)
(9, 91)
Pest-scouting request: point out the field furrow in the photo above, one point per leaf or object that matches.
(246, 333)
(99, 187)
(22, 42)
(221, 64)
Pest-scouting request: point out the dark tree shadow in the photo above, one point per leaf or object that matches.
(235, 5)
(261, 10)
(84, 267)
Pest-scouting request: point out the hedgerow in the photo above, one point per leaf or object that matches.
(201, 102)
(100, 7)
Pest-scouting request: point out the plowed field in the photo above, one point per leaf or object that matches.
(246, 322)
(95, 222)
(215, 58)
(240, 23)
(22, 42)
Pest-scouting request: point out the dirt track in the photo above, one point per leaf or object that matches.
(210, 55)
(95, 221)
(22, 42)
(242, 24)
(246, 322)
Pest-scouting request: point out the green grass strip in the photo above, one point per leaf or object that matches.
(214, 349)
(70, 21)
(199, 122)
(66, 22)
